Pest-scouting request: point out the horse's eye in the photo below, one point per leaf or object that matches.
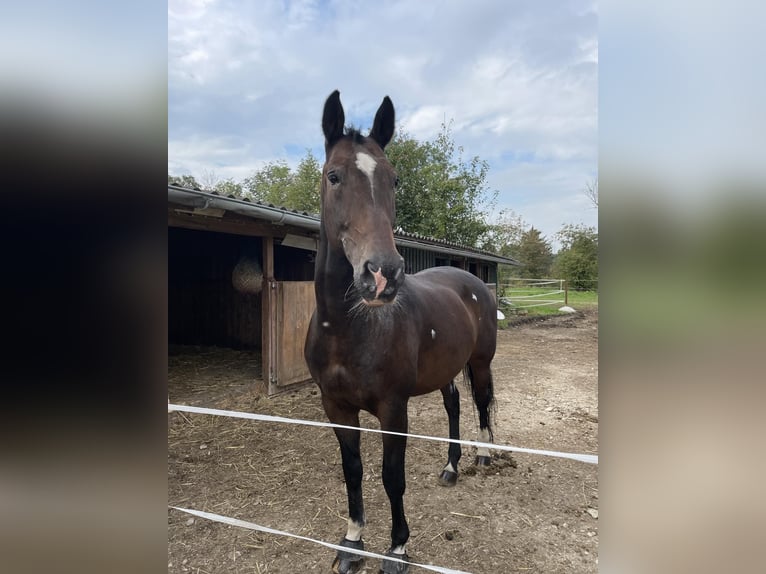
(333, 177)
(396, 183)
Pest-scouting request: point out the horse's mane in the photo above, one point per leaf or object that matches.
(354, 133)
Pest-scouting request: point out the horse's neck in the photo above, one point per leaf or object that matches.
(333, 276)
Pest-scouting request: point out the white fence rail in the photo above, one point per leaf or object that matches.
(526, 293)
(586, 458)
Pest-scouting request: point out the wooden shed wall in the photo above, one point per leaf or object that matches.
(293, 264)
(205, 309)
(203, 306)
(417, 259)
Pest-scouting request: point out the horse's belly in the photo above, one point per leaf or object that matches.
(437, 367)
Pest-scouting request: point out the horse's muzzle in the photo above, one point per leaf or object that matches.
(379, 283)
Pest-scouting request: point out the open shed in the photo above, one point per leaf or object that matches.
(240, 276)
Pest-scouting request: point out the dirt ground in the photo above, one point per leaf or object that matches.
(524, 513)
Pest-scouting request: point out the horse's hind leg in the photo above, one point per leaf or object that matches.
(480, 377)
(451, 396)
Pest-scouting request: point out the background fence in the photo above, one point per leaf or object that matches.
(517, 296)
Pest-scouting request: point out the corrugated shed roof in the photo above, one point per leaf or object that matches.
(279, 214)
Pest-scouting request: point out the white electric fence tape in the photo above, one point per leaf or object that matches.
(589, 458)
(252, 526)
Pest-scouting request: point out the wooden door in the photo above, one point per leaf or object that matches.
(293, 304)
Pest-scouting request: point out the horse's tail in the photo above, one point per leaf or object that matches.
(484, 395)
(468, 376)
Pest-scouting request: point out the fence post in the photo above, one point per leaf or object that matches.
(566, 293)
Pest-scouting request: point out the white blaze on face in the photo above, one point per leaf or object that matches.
(366, 164)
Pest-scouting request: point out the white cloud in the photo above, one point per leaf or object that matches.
(300, 13)
(546, 197)
(426, 121)
(247, 81)
(195, 57)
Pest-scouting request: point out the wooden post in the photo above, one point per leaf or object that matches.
(566, 292)
(267, 312)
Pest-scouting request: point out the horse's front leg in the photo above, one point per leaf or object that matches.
(347, 562)
(393, 417)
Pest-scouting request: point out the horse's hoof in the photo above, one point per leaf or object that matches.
(448, 478)
(391, 567)
(347, 562)
(483, 461)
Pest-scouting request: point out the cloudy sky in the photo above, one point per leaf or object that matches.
(247, 82)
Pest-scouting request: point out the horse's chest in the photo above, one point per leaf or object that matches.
(352, 367)
(355, 363)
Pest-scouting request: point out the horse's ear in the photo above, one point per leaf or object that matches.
(333, 118)
(383, 126)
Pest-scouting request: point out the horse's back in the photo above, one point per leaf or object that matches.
(459, 318)
(471, 289)
(435, 281)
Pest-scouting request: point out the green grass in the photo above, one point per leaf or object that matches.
(583, 299)
(578, 300)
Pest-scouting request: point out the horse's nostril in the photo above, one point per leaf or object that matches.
(398, 274)
(372, 267)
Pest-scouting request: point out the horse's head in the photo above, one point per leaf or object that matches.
(358, 212)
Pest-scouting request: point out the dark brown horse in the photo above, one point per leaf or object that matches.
(378, 336)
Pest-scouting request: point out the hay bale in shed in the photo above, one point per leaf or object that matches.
(247, 276)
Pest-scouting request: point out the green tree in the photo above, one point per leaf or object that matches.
(504, 236)
(278, 184)
(228, 187)
(184, 181)
(270, 183)
(304, 188)
(535, 255)
(577, 261)
(440, 194)
(410, 159)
